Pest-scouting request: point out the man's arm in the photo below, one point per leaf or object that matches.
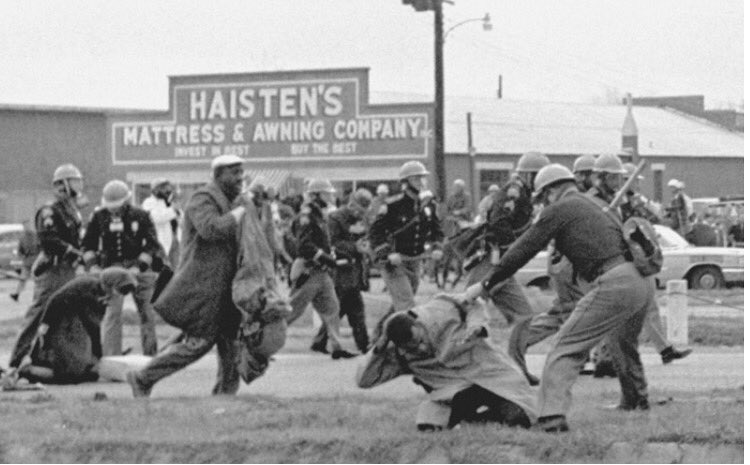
(210, 224)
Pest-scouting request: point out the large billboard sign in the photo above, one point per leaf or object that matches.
(285, 116)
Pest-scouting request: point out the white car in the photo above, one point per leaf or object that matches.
(702, 267)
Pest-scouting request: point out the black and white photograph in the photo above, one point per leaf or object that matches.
(372, 231)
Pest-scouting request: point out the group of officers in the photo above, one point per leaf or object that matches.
(600, 295)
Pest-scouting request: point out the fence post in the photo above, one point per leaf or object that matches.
(677, 311)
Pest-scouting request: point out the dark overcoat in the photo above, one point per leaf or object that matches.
(198, 299)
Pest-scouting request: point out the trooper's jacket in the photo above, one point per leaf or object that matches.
(58, 227)
(310, 230)
(404, 225)
(120, 239)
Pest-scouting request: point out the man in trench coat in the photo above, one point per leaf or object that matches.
(449, 352)
(198, 299)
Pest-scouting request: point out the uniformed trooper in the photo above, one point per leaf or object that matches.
(402, 229)
(508, 217)
(348, 230)
(58, 226)
(608, 172)
(635, 203)
(583, 170)
(120, 234)
(310, 277)
(614, 305)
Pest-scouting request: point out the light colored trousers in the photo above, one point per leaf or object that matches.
(508, 296)
(112, 321)
(184, 349)
(319, 291)
(614, 307)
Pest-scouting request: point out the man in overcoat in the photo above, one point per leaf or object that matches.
(198, 299)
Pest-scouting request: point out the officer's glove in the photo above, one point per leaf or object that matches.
(437, 255)
(394, 258)
(144, 262)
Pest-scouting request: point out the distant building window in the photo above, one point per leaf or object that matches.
(489, 177)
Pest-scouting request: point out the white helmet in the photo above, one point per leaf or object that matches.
(551, 174)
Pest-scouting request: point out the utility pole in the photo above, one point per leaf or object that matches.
(439, 104)
(472, 153)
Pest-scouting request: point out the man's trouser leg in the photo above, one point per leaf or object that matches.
(112, 327)
(623, 347)
(653, 330)
(614, 299)
(326, 303)
(508, 296)
(299, 298)
(44, 286)
(402, 283)
(353, 307)
(466, 406)
(227, 375)
(532, 330)
(142, 297)
(178, 354)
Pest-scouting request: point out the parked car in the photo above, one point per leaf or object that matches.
(10, 234)
(702, 267)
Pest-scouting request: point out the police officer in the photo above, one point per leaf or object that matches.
(348, 228)
(311, 271)
(120, 234)
(636, 204)
(402, 229)
(583, 170)
(614, 305)
(58, 226)
(509, 216)
(608, 172)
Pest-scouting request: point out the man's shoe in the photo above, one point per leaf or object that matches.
(605, 368)
(669, 354)
(14, 296)
(319, 348)
(337, 354)
(139, 390)
(587, 369)
(533, 380)
(553, 424)
(428, 428)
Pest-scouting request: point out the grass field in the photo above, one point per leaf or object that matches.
(347, 429)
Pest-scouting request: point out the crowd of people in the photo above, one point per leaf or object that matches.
(211, 268)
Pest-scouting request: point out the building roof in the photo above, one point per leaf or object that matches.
(514, 127)
(72, 109)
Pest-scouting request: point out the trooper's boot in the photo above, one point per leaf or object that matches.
(319, 348)
(669, 354)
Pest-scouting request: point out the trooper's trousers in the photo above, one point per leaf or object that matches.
(614, 307)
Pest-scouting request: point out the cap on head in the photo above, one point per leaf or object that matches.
(398, 328)
(550, 175)
(320, 185)
(584, 163)
(608, 163)
(493, 188)
(532, 162)
(115, 194)
(459, 182)
(412, 168)
(629, 170)
(226, 160)
(382, 189)
(158, 182)
(66, 171)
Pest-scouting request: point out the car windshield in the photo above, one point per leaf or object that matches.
(669, 239)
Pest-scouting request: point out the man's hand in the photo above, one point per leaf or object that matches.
(380, 345)
(144, 261)
(473, 291)
(134, 271)
(437, 255)
(394, 258)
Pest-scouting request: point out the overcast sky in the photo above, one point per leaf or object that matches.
(119, 54)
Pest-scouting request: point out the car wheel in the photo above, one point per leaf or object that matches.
(706, 277)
